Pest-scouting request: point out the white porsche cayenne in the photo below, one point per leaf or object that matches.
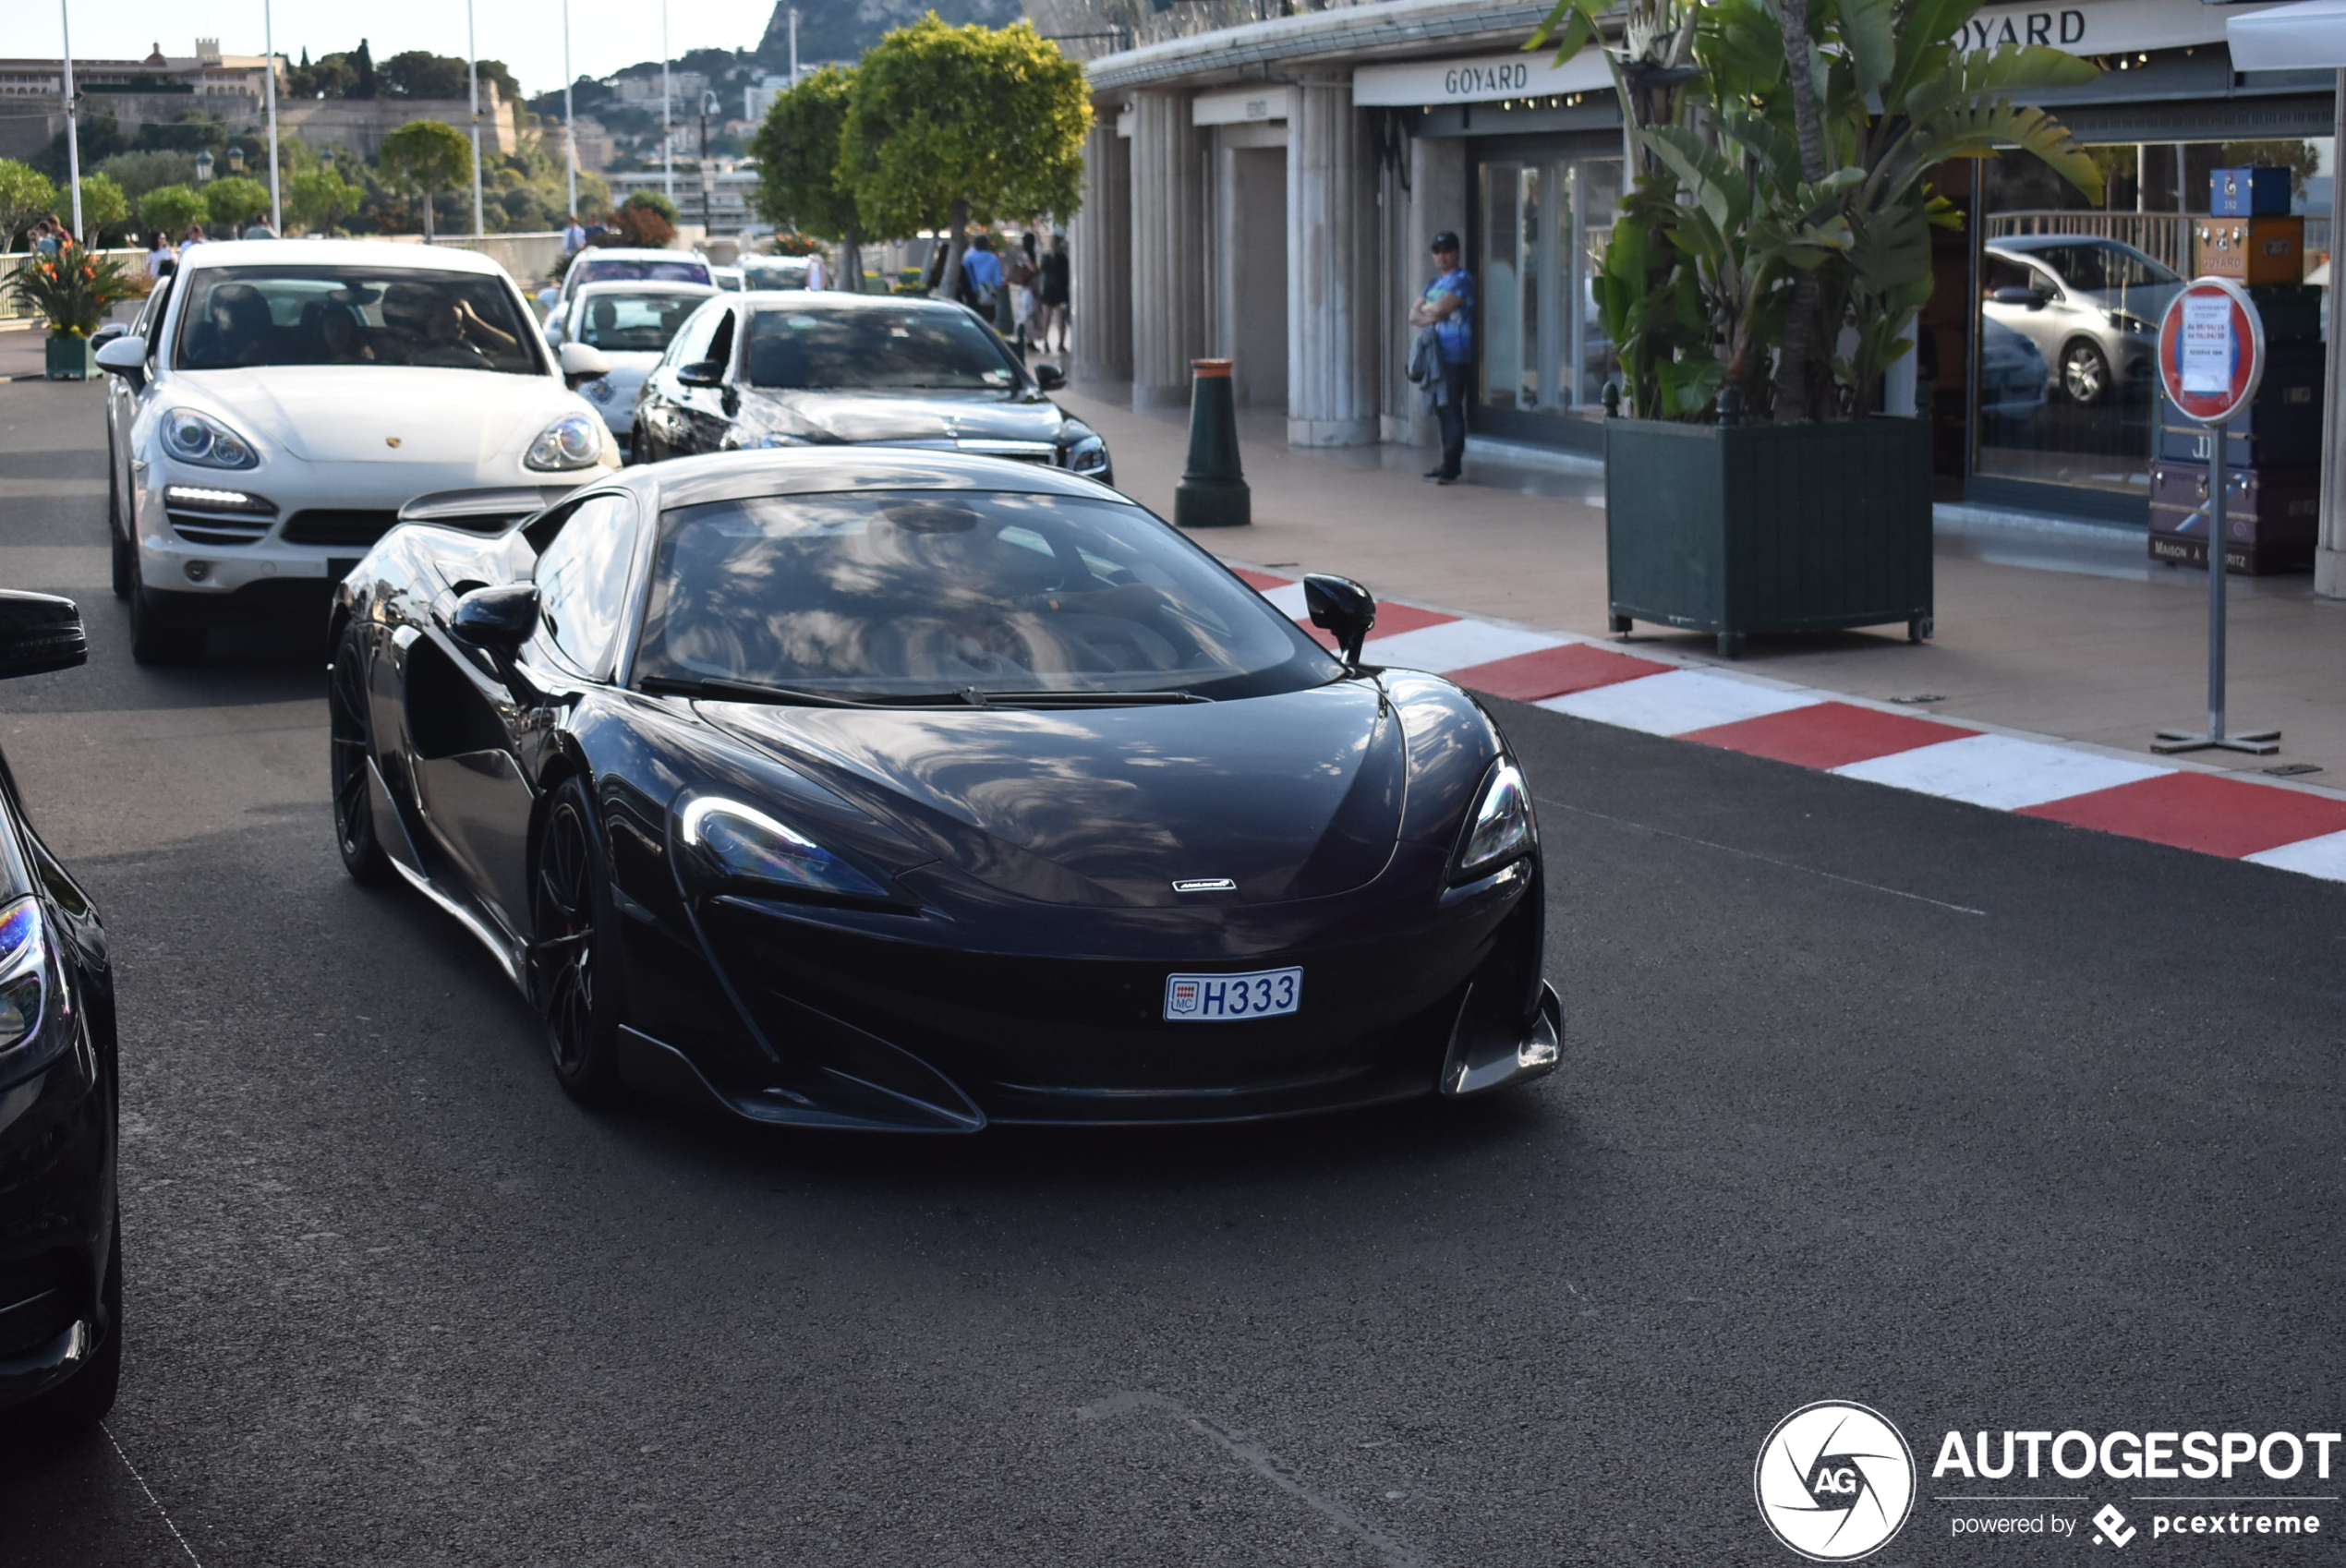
(280, 405)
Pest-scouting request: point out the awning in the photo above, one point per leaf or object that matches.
(2310, 35)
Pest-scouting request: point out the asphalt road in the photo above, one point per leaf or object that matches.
(1987, 1122)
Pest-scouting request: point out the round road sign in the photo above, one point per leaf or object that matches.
(2211, 349)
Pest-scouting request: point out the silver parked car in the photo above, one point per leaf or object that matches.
(2090, 305)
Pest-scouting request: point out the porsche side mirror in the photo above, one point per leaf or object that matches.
(1050, 378)
(1341, 606)
(582, 364)
(702, 373)
(110, 331)
(498, 619)
(125, 357)
(39, 632)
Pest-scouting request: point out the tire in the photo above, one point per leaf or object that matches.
(75, 1407)
(2085, 373)
(574, 962)
(353, 735)
(118, 536)
(154, 640)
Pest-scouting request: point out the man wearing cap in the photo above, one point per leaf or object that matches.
(1447, 306)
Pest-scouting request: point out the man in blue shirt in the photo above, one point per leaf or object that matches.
(1447, 306)
(981, 274)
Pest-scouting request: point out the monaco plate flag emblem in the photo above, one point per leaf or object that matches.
(1834, 1481)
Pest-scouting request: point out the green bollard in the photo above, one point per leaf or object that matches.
(1213, 492)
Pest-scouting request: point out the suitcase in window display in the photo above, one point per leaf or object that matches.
(2281, 427)
(2272, 517)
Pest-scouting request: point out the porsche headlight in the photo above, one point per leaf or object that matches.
(575, 440)
(735, 843)
(1500, 829)
(32, 1001)
(200, 439)
(1088, 455)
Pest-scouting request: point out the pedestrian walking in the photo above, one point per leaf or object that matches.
(1018, 278)
(49, 237)
(1051, 296)
(195, 236)
(981, 276)
(815, 276)
(1444, 351)
(573, 236)
(160, 257)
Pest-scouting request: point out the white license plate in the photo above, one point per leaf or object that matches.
(1217, 999)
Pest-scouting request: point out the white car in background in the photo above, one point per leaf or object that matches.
(630, 325)
(280, 404)
(623, 264)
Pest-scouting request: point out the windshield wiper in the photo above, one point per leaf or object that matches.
(726, 690)
(1078, 699)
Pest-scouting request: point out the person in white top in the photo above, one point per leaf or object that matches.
(159, 255)
(815, 275)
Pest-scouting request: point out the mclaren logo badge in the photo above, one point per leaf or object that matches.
(1206, 885)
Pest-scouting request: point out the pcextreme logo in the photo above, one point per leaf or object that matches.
(1834, 1481)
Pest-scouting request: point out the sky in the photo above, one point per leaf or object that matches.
(526, 34)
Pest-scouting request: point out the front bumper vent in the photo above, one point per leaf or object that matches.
(338, 525)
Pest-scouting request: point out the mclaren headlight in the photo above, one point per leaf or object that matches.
(33, 1022)
(1088, 455)
(1500, 828)
(200, 439)
(732, 845)
(572, 441)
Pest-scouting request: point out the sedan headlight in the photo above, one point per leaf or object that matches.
(33, 1025)
(200, 439)
(575, 440)
(2127, 321)
(1088, 455)
(739, 844)
(1501, 828)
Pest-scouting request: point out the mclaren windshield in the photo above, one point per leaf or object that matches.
(240, 316)
(924, 350)
(924, 595)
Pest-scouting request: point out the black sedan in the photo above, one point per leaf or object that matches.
(60, 1240)
(900, 790)
(787, 370)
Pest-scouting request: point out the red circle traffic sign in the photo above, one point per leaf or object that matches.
(2211, 349)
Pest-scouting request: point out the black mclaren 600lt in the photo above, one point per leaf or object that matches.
(890, 789)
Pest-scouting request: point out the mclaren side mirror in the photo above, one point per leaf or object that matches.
(1049, 377)
(39, 632)
(498, 619)
(582, 364)
(1341, 606)
(701, 373)
(125, 357)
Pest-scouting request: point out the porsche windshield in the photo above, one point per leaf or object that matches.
(876, 350)
(247, 315)
(926, 593)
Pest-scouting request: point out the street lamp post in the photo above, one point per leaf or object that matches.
(707, 175)
(73, 117)
(570, 126)
(666, 116)
(269, 44)
(472, 58)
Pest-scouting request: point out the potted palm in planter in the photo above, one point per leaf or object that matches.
(72, 290)
(1764, 273)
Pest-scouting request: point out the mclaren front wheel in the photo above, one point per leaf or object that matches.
(574, 976)
(348, 771)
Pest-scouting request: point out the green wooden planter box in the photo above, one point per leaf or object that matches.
(1754, 530)
(71, 358)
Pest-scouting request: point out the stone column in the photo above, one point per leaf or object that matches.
(1168, 269)
(1331, 206)
(1099, 243)
(2329, 554)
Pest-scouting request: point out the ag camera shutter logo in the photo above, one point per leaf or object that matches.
(1834, 1481)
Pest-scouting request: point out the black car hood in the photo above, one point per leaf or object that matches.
(904, 417)
(1292, 796)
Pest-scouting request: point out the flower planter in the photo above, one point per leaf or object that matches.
(72, 357)
(1755, 530)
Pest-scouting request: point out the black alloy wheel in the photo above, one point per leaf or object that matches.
(118, 535)
(152, 639)
(574, 961)
(75, 1407)
(353, 742)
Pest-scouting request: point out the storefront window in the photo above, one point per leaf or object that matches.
(1543, 228)
(2070, 297)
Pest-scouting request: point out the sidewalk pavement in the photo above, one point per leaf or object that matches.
(2065, 631)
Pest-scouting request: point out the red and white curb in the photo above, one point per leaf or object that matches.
(2213, 812)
